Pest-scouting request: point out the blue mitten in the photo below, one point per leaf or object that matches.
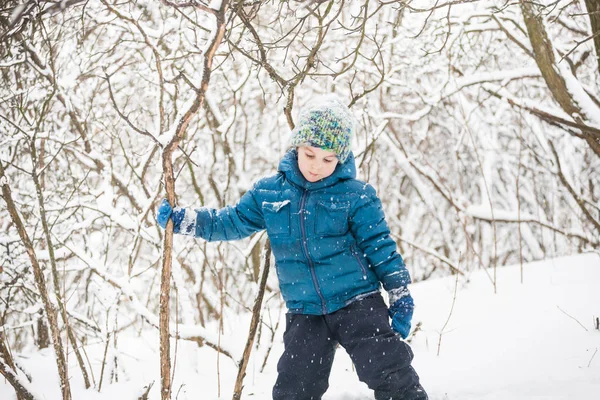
(165, 211)
(401, 310)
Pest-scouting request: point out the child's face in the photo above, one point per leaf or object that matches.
(315, 163)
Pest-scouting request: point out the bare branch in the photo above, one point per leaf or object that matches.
(41, 284)
(237, 392)
(199, 5)
(16, 382)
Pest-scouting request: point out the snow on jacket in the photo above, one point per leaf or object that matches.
(330, 239)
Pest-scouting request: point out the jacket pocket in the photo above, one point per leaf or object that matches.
(277, 217)
(332, 218)
(356, 255)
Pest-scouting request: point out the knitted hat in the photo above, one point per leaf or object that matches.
(326, 123)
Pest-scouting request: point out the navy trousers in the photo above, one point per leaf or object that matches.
(382, 360)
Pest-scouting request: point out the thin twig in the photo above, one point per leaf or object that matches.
(573, 318)
(579, 43)
(449, 315)
(488, 191)
(593, 355)
(519, 193)
(191, 3)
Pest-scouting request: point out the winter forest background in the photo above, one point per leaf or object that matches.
(478, 124)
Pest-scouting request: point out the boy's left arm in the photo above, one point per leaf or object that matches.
(372, 235)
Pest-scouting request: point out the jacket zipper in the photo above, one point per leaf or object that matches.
(305, 248)
(355, 254)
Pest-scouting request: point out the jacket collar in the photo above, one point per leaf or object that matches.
(289, 167)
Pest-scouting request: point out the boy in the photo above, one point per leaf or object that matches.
(333, 252)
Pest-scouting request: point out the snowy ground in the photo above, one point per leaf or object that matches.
(535, 340)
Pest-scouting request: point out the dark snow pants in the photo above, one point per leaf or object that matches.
(382, 360)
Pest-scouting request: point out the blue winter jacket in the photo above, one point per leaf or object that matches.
(329, 238)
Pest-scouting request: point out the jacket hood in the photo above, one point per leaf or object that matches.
(289, 167)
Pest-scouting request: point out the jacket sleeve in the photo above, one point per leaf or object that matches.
(372, 234)
(231, 222)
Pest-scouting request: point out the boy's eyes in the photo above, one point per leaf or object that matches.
(311, 156)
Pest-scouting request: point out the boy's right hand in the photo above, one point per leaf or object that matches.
(177, 215)
(164, 213)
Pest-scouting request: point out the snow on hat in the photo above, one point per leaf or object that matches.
(326, 123)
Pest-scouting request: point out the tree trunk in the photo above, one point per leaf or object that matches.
(169, 180)
(55, 281)
(547, 63)
(42, 332)
(237, 392)
(41, 284)
(593, 8)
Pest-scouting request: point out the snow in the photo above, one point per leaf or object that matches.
(11, 63)
(503, 76)
(167, 137)
(397, 294)
(276, 206)
(484, 212)
(583, 100)
(518, 343)
(530, 340)
(16, 13)
(216, 4)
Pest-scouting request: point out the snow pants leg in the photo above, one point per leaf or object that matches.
(382, 359)
(306, 362)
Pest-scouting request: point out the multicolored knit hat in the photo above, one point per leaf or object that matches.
(326, 123)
